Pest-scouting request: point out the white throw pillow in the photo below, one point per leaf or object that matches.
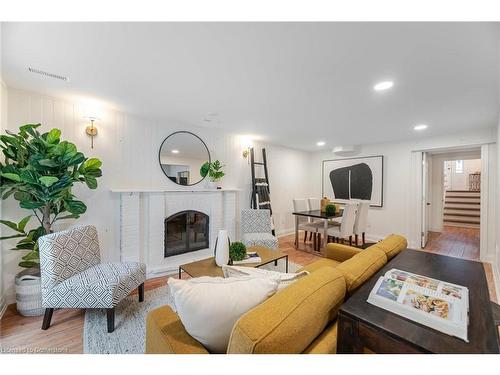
(210, 306)
(283, 279)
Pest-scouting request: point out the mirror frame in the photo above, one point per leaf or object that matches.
(185, 132)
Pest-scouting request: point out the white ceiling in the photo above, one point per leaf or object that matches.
(290, 83)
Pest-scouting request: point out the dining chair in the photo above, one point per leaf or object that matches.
(304, 223)
(361, 220)
(346, 227)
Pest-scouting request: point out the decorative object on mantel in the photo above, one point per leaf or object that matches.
(181, 156)
(214, 172)
(40, 172)
(237, 251)
(221, 251)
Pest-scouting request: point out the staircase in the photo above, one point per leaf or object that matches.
(462, 208)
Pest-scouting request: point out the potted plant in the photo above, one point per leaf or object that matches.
(330, 209)
(214, 172)
(237, 251)
(39, 172)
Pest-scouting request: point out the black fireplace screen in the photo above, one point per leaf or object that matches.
(186, 231)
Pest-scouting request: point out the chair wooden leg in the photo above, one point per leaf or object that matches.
(310, 235)
(318, 242)
(141, 292)
(47, 318)
(305, 237)
(315, 238)
(110, 313)
(342, 241)
(363, 238)
(350, 240)
(356, 239)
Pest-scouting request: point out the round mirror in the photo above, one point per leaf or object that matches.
(181, 156)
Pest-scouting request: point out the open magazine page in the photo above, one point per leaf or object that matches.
(438, 286)
(439, 305)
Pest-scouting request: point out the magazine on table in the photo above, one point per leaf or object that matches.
(437, 304)
(251, 257)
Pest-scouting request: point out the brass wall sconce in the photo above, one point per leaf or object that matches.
(91, 130)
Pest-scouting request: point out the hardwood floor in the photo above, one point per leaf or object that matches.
(20, 334)
(455, 242)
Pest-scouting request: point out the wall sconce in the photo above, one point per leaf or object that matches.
(91, 130)
(246, 144)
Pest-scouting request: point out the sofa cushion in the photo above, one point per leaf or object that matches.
(210, 306)
(165, 334)
(290, 321)
(361, 267)
(391, 245)
(320, 263)
(326, 343)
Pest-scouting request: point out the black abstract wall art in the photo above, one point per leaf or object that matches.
(354, 178)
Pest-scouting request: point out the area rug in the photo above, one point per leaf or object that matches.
(129, 336)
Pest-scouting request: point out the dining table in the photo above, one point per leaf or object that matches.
(316, 215)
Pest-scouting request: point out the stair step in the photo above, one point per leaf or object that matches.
(462, 206)
(462, 225)
(463, 193)
(461, 219)
(458, 212)
(472, 200)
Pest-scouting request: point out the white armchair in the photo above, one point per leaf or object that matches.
(256, 229)
(74, 277)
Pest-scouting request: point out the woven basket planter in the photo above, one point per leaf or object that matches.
(29, 292)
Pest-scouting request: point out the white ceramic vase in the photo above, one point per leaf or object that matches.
(222, 248)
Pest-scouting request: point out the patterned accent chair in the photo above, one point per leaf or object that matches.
(256, 229)
(74, 277)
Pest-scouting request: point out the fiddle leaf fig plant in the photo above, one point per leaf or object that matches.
(39, 172)
(213, 170)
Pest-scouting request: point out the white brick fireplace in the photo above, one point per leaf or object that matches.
(142, 215)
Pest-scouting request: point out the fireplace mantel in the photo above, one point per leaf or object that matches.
(161, 190)
(142, 215)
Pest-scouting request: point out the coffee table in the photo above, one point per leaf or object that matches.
(208, 267)
(366, 328)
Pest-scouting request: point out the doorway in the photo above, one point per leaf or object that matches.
(451, 203)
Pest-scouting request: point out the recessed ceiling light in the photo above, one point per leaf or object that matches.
(420, 127)
(384, 85)
(175, 151)
(320, 143)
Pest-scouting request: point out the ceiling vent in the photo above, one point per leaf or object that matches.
(46, 74)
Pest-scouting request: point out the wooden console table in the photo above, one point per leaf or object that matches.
(367, 328)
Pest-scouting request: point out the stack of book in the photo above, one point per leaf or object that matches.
(251, 257)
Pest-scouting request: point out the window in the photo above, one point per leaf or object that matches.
(459, 166)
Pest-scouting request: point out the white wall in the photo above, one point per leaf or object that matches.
(3, 121)
(128, 147)
(397, 214)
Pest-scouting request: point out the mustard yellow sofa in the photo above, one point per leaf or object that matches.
(298, 319)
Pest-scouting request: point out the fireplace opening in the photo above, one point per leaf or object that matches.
(186, 231)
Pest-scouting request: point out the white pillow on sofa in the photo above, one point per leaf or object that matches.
(284, 279)
(210, 306)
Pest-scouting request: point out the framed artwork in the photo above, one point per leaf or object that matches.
(354, 178)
